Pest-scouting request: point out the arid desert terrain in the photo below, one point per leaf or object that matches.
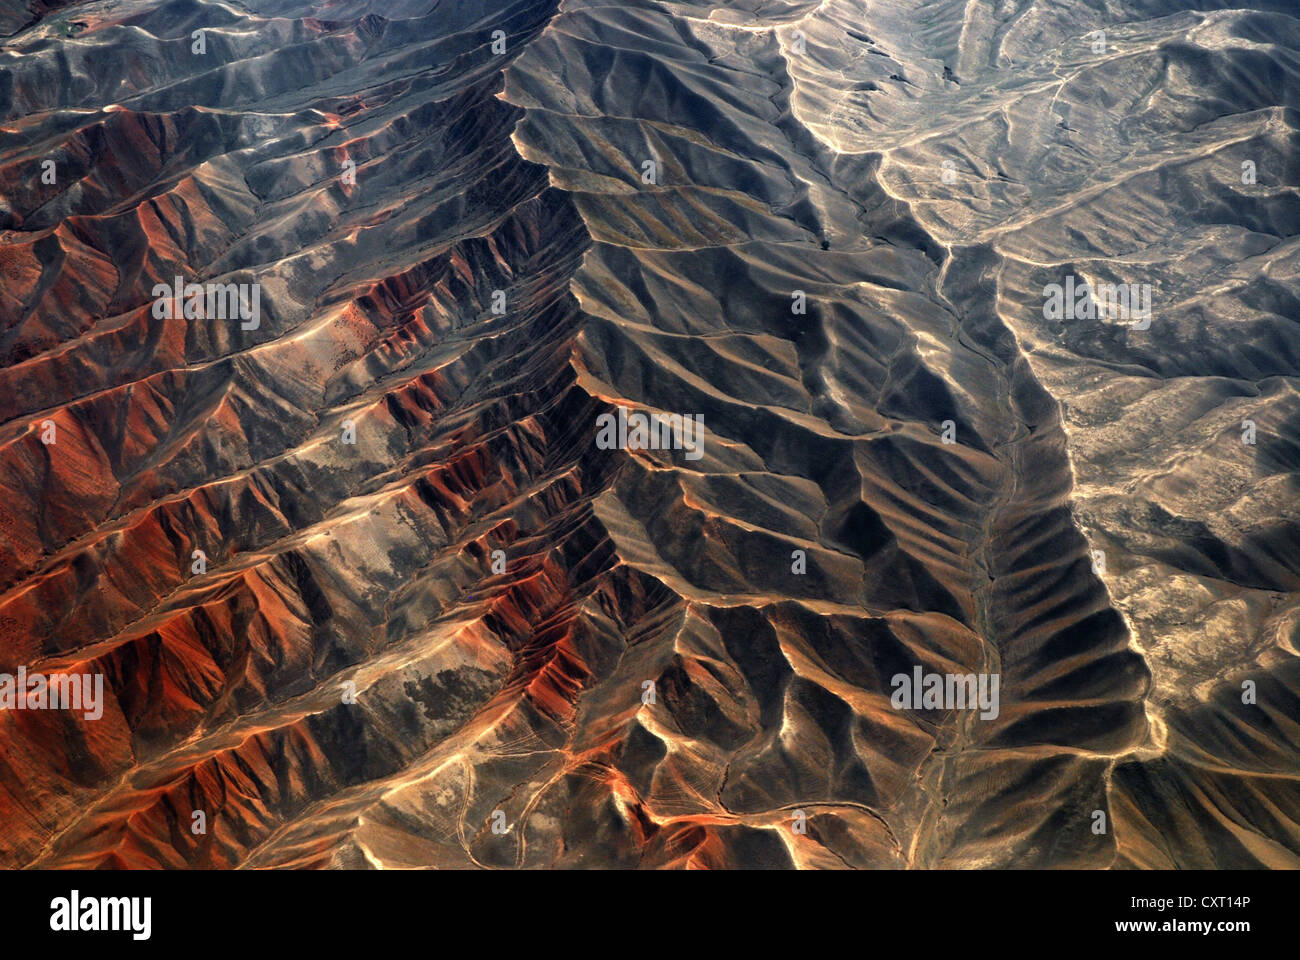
(330, 331)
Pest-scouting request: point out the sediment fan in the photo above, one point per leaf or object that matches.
(365, 590)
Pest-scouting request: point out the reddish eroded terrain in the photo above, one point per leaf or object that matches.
(356, 677)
